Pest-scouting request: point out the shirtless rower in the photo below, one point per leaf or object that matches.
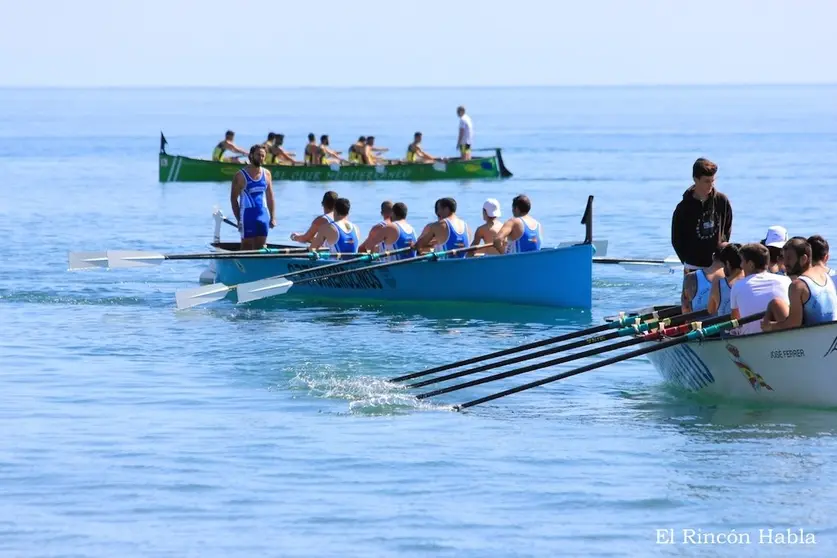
(719, 299)
(486, 232)
(312, 151)
(394, 235)
(251, 197)
(812, 297)
(327, 154)
(227, 145)
(327, 203)
(521, 233)
(356, 150)
(340, 235)
(697, 284)
(386, 219)
(449, 233)
(281, 156)
(415, 154)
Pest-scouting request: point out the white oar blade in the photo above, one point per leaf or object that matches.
(669, 266)
(265, 288)
(133, 258)
(88, 260)
(187, 298)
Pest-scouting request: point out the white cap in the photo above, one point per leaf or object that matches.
(491, 207)
(776, 236)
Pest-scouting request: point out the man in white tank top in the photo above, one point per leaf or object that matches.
(697, 285)
(753, 293)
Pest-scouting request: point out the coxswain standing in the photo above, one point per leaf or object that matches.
(466, 134)
(251, 197)
(339, 235)
(227, 145)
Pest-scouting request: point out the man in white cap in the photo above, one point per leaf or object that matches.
(775, 240)
(486, 232)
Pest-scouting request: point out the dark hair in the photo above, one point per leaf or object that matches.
(729, 255)
(819, 248)
(522, 204)
(704, 167)
(417, 135)
(399, 210)
(312, 137)
(775, 254)
(370, 140)
(386, 207)
(271, 136)
(342, 206)
(324, 139)
(448, 203)
(362, 139)
(800, 246)
(755, 253)
(329, 198)
(229, 134)
(254, 148)
(280, 138)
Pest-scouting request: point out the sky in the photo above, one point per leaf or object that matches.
(357, 43)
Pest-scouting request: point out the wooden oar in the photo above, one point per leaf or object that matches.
(622, 321)
(264, 288)
(116, 259)
(630, 330)
(698, 333)
(187, 298)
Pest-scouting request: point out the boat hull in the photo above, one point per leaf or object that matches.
(797, 366)
(554, 277)
(176, 168)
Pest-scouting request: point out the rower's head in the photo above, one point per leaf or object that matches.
(324, 139)
(521, 205)
(417, 137)
(312, 138)
(775, 240)
(386, 209)
(447, 207)
(280, 139)
(754, 258)
(798, 256)
(361, 139)
(271, 137)
(728, 254)
(436, 208)
(257, 155)
(370, 140)
(819, 250)
(399, 211)
(460, 111)
(491, 209)
(341, 208)
(229, 136)
(703, 173)
(329, 199)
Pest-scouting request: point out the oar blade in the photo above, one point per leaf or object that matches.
(265, 288)
(189, 298)
(87, 260)
(118, 259)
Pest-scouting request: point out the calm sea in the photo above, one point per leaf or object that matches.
(131, 430)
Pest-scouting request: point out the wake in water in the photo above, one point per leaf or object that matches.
(367, 395)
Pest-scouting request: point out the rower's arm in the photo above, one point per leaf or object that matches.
(377, 235)
(271, 206)
(422, 153)
(319, 238)
(380, 149)
(687, 293)
(235, 193)
(796, 295)
(308, 236)
(714, 296)
(427, 237)
(503, 234)
(233, 147)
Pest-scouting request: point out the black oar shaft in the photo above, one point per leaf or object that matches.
(363, 258)
(534, 345)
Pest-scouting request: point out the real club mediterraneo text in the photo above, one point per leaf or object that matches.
(764, 536)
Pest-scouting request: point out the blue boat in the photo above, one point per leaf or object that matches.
(553, 277)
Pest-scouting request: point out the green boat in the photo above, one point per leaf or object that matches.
(177, 168)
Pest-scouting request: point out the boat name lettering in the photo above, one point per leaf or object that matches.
(358, 280)
(831, 349)
(349, 174)
(788, 353)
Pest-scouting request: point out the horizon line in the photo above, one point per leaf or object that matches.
(487, 86)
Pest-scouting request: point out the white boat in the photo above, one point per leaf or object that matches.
(796, 366)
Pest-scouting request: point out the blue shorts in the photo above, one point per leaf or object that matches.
(255, 221)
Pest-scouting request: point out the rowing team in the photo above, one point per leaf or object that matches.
(334, 231)
(362, 152)
(787, 278)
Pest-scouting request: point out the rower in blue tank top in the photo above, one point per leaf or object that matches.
(370, 245)
(252, 201)
(521, 233)
(448, 233)
(700, 300)
(394, 234)
(339, 235)
(821, 305)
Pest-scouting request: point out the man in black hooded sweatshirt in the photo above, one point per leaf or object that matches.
(702, 221)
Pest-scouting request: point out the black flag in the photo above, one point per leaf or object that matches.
(163, 143)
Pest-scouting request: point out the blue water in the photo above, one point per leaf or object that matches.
(129, 429)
